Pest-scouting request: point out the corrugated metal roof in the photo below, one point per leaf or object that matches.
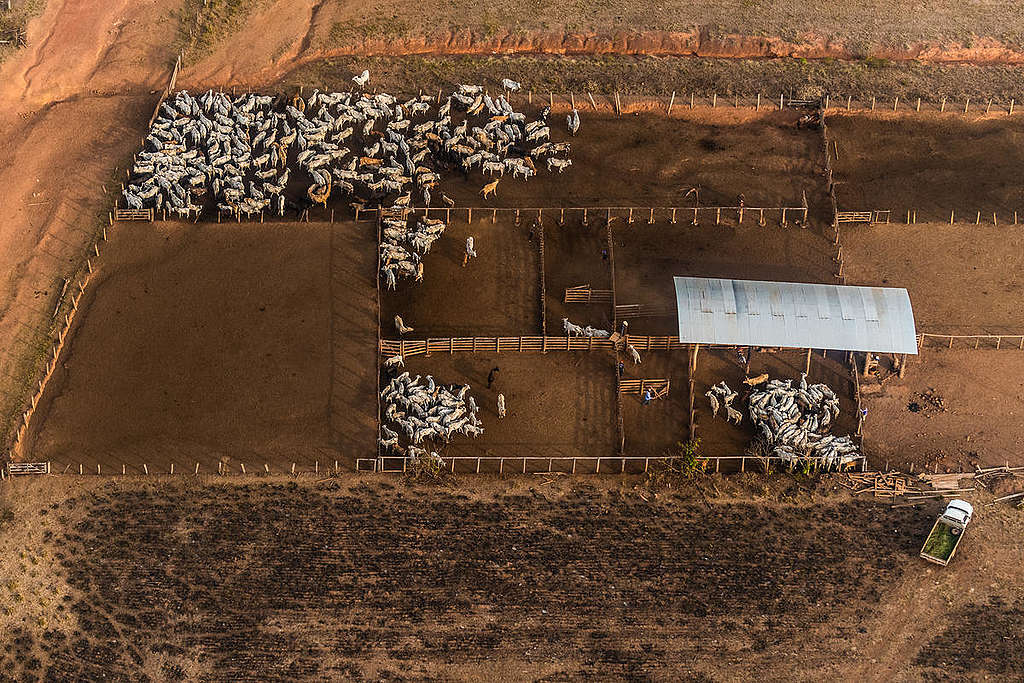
(794, 315)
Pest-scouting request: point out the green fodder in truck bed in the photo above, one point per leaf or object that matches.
(940, 542)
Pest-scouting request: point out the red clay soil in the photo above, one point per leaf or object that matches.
(962, 279)
(267, 39)
(931, 164)
(73, 105)
(957, 409)
(240, 343)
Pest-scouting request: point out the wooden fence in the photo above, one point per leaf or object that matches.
(658, 387)
(971, 341)
(61, 333)
(648, 215)
(614, 464)
(629, 311)
(543, 282)
(168, 89)
(390, 347)
(583, 294)
(134, 214)
(15, 469)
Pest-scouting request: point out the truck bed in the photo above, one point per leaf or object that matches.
(941, 542)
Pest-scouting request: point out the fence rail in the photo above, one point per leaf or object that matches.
(570, 464)
(643, 311)
(391, 347)
(854, 217)
(973, 341)
(133, 214)
(583, 294)
(15, 469)
(638, 386)
(628, 214)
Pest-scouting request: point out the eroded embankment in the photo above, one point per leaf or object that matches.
(696, 43)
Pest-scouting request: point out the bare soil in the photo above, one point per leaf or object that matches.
(657, 428)
(268, 38)
(656, 160)
(497, 293)
(979, 424)
(559, 405)
(930, 164)
(652, 75)
(230, 343)
(647, 257)
(962, 279)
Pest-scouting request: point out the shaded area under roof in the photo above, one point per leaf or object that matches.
(794, 315)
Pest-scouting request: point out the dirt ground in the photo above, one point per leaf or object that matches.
(957, 409)
(929, 163)
(962, 279)
(173, 578)
(558, 405)
(655, 429)
(239, 343)
(497, 293)
(656, 160)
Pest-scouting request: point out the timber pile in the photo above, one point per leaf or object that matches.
(988, 477)
(896, 484)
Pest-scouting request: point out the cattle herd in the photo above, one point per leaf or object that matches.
(424, 410)
(791, 422)
(239, 152)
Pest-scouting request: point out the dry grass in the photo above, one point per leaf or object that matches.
(662, 75)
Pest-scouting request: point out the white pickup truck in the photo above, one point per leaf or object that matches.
(945, 536)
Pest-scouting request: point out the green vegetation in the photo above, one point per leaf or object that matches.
(941, 541)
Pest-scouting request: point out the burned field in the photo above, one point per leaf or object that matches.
(292, 581)
(231, 343)
(929, 164)
(979, 639)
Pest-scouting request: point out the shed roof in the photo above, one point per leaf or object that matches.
(794, 315)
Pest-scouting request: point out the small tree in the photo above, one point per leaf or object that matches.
(691, 461)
